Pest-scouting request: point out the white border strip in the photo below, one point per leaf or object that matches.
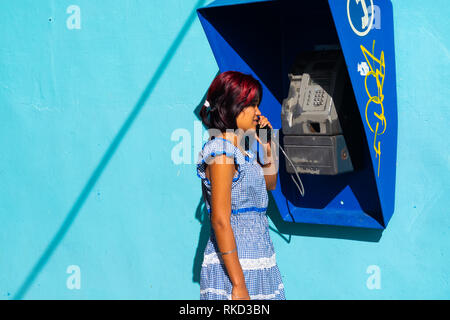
(246, 264)
(222, 292)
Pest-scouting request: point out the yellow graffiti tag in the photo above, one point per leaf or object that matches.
(375, 100)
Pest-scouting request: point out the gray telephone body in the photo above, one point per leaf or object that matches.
(312, 133)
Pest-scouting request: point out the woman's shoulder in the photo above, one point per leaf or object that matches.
(218, 145)
(214, 148)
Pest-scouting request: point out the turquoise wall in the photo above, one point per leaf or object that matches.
(94, 99)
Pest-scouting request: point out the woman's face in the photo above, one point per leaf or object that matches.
(248, 118)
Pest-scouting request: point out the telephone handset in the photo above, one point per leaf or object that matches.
(262, 136)
(267, 138)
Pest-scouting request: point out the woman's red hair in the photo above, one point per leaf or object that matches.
(229, 93)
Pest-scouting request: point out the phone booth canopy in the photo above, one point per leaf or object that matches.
(327, 68)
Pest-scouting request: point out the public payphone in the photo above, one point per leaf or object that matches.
(327, 68)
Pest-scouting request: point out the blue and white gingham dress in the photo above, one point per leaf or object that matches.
(249, 201)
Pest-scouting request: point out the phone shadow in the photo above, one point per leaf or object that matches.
(286, 229)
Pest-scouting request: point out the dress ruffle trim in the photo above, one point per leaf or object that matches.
(221, 292)
(246, 264)
(214, 148)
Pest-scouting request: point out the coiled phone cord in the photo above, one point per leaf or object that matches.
(302, 188)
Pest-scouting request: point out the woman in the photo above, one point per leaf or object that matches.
(239, 259)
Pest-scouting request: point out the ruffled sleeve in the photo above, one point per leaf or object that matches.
(212, 149)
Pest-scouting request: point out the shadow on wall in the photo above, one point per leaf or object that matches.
(201, 214)
(84, 194)
(317, 230)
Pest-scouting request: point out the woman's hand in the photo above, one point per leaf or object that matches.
(263, 121)
(270, 166)
(240, 293)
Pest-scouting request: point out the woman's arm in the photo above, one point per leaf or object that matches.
(222, 172)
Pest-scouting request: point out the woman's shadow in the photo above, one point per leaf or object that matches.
(201, 214)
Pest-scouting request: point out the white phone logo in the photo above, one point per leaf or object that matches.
(365, 19)
(366, 23)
